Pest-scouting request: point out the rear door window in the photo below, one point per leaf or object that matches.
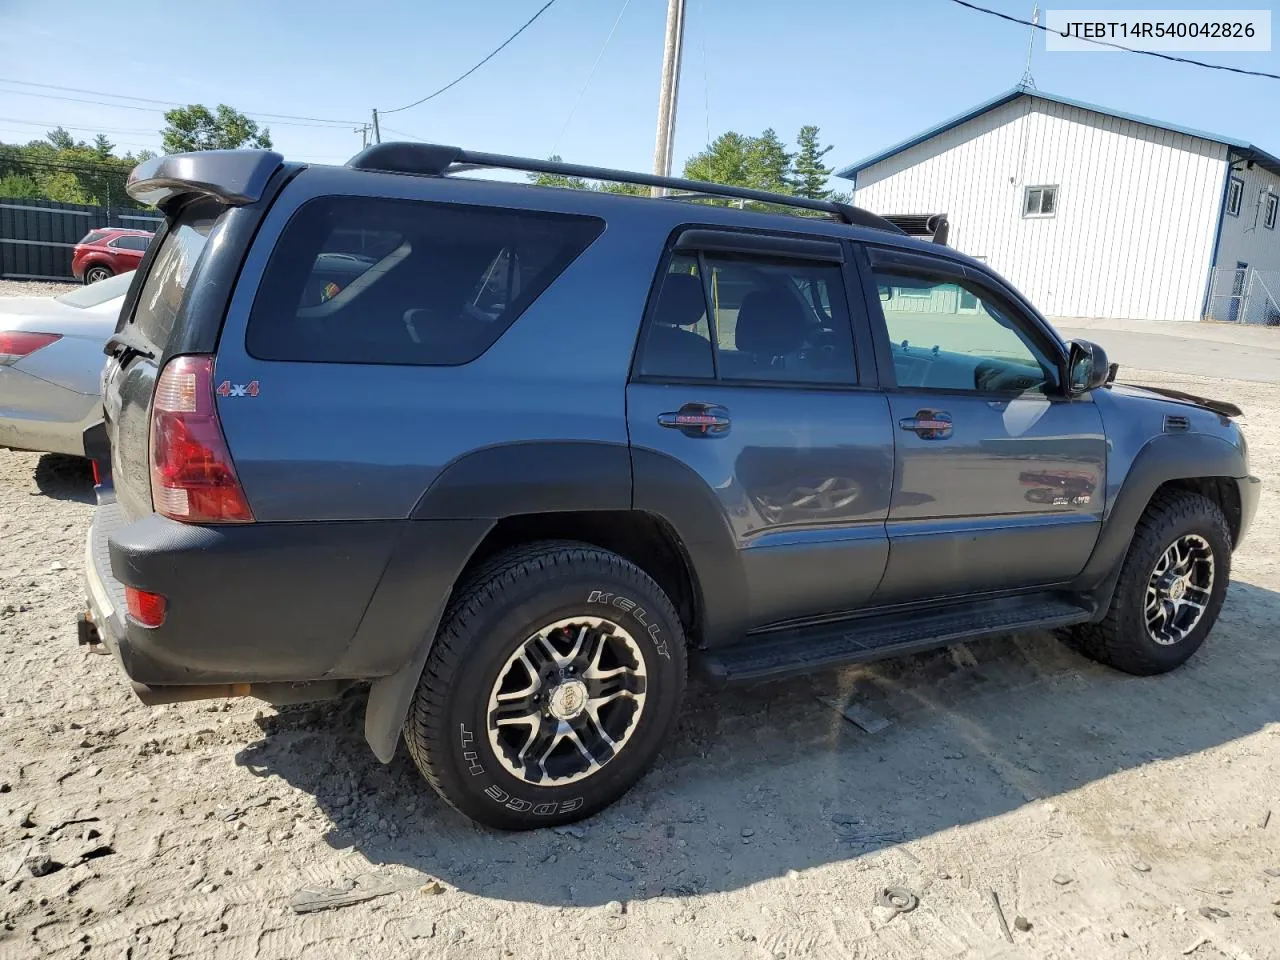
(373, 280)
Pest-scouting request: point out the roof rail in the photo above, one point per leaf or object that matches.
(431, 159)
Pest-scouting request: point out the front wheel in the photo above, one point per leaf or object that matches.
(554, 680)
(1170, 591)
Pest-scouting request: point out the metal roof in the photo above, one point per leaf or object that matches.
(1246, 150)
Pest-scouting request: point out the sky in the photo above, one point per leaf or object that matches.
(869, 73)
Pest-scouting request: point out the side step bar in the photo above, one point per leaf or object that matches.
(787, 652)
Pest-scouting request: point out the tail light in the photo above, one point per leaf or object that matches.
(144, 606)
(192, 476)
(16, 344)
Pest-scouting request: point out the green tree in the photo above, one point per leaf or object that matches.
(194, 127)
(557, 179)
(61, 168)
(60, 139)
(809, 171)
(769, 163)
(725, 160)
(577, 183)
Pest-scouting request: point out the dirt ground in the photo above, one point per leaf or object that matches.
(1111, 816)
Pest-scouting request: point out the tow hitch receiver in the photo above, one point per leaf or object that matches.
(87, 630)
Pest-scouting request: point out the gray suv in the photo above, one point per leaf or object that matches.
(520, 457)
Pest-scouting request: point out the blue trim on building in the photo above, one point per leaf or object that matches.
(1247, 150)
(1217, 237)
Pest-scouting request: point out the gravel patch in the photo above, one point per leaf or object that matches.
(35, 288)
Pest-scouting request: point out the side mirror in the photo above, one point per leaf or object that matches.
(1087, 367)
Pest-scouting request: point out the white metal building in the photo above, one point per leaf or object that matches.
(1092, 212)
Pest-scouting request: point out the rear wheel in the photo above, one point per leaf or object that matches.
(97, 272)
(555, 678)
(1170, 590)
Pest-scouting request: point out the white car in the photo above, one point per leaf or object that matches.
(50, 363)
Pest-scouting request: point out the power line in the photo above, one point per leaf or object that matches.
(1117, 46)
(431, 96)
(162, 103)
(590, 76)
(51, 124)
(401, 133)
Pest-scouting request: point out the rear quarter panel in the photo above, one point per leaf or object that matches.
(348, 441)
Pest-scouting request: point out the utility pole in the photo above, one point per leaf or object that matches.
(377, 133)
(669, 92)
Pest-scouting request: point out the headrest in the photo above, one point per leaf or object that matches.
(770, 323)
(681, 302)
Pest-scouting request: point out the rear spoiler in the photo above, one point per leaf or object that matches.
(234, 177)
(935, 226)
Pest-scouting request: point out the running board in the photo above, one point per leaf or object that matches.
(797, 650)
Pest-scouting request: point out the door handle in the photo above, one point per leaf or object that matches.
(928, 424)
(697, 420)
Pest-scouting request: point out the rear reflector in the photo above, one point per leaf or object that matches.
(16, 344)
(192, 476)
(145, 607)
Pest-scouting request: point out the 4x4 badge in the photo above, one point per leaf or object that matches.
(227, 389)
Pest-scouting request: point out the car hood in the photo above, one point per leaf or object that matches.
(47, 315)
(1220, 407)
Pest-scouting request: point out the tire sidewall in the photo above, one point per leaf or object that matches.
(490, 792)
(1206, 523)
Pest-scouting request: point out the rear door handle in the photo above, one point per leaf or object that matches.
(928, 424)
(698, 420)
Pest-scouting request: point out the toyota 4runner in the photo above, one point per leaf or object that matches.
(518, 456)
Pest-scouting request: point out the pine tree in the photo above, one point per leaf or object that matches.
(810, 172)
(769, 164)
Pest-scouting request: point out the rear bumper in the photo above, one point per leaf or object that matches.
(1250, 490)
(271, 603)
(254, 604)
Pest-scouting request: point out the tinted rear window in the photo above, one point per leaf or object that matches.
(171, 270)
(132, 243)
(365, 280)
(93, 236)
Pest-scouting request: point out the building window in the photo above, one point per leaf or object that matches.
(1235, 192)
(1269, 203)
(1040, 202)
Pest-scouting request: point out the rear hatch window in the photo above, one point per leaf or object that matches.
(162, 294)
(373, 280)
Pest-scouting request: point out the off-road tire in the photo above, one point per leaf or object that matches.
(506, 600)
(1121, 639)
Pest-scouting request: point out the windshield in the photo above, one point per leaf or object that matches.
(100, 292)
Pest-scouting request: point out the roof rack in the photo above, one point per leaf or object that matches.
(437, 160)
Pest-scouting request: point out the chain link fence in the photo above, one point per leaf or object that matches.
(1245, 295)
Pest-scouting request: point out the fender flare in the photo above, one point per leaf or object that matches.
(1162, 459)
(447, 525)
(470, 495)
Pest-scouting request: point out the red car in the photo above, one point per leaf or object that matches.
(104, 253)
